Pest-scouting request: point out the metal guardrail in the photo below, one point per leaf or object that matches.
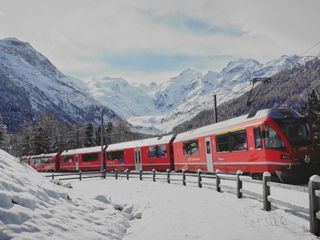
(313, 189)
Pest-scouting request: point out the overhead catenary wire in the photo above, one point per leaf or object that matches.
(316, 44)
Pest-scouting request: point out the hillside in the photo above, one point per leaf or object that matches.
(31, 85)
(289, 89)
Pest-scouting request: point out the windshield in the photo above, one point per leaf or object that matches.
(296, 130)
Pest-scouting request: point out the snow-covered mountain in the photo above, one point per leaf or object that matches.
(125, 99)
(231, 82)
(30, 85)
(168, 104)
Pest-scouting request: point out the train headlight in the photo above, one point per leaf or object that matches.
(284, 157)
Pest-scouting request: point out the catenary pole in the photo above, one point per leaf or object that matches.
(103, 162)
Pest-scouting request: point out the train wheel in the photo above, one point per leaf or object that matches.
(256, 176)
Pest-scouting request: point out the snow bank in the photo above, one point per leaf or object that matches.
(176, 212)
(31, 207)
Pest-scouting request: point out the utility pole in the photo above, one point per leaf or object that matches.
(103, 162)
(215, 108)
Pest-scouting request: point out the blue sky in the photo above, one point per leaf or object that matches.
(145, 41)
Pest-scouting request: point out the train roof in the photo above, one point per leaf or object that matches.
(226, 125)
(123, 145)
(81, 150)
(139, 143)
(44, 155)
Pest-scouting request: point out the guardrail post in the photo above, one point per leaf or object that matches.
(116, 173)
(314, 204)
(199, 179)
(104, 173)
(140, 174)
(183, 177)
(153, 175)
(239, 184)
(52, 176)
(80, 175)
(266, 191)
(168, 175)
(218, 188)
(127, 173)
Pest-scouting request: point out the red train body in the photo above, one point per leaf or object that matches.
(278, 141)
(45, 162)
(147, 154)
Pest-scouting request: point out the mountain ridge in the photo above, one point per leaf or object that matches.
(32, 85)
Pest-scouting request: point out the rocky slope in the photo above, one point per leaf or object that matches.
(31, 85)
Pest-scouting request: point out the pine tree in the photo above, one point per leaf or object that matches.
(3, 135)
(109, 133)
(98, 136)
(89, 141)
(312, 111)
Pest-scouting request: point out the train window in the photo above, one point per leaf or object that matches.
(208, 147)
(67, 159)
(158, 151)
(272, 139)
(90, 157)
(257, 138)
(222, 142)
(190, 148)
(238, 141)
(296, 130)
(42, 160)
(116, 155)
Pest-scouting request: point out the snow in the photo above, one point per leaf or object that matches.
(315, 178)
(176, 212)
(32, 207)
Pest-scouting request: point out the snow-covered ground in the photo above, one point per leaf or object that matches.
(171, 211)
(32, 207)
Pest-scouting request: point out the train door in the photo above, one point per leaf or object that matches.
(77, 162)
(209, 154)
(137, 158)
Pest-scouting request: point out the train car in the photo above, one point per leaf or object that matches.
(279, 141)
(26, 159)
(45, 162)
(84, 159)
(146, 154)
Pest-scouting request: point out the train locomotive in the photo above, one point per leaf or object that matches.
(279, 141)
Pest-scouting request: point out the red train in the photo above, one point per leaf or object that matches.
(279, 141)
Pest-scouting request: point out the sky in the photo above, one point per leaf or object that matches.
(154, 40)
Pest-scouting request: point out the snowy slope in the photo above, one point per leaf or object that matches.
(174, 92)
(125, 99)
(31, 208)
(176, 212)
(31, 83)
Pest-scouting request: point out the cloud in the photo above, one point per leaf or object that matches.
(2, 14)
(192, 24)
(149, 61)
(143, 38)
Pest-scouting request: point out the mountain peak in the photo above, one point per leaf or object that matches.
(241, 63)
(115, 80)
(188, 71)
